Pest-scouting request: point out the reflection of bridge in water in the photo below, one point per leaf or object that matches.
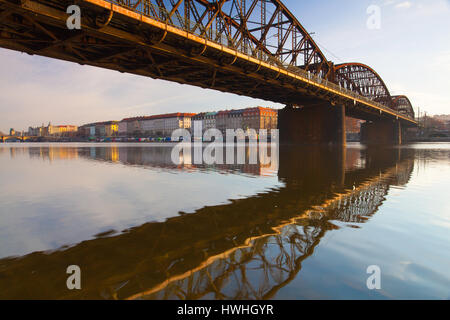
(247, 249)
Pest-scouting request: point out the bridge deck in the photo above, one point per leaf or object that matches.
(121, 38)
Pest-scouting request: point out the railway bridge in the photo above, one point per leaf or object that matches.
(254, 48)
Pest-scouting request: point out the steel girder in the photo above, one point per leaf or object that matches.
(403, 105)
(363, 80)
(256, 27)
(263, 28)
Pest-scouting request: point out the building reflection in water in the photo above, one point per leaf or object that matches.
(247, 249)
(160, 157)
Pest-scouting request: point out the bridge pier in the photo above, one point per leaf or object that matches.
(318, 125)
(383, 131)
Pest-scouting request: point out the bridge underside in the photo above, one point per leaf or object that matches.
(128, 46)
(116, 38)
(325, 124)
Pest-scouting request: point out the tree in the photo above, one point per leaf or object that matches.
(430, 123)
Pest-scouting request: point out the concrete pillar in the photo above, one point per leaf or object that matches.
(383, 131)
(316, 125)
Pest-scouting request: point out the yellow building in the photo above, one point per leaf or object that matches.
(62, 130)
(111, 128)
(50, 130)
(107, 129)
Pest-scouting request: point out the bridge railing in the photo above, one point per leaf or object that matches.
(147, 8)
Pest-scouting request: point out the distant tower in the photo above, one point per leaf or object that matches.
(12, 132)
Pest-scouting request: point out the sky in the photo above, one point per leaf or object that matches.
(410, 50)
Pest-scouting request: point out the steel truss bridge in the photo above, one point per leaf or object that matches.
(255, 48)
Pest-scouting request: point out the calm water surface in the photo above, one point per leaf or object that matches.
(306, 226)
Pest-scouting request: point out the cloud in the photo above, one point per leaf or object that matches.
(433, 7)
(423, 7)
(404, 5)
(388, 2)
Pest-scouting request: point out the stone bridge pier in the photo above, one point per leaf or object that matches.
(322, 124)
(382, 131)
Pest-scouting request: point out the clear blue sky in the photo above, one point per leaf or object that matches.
(411, 52)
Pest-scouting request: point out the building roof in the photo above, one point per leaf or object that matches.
(161, 116)
(103, 123)
(261, 109)
(223, 112)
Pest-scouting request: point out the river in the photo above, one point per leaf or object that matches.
(306, 226)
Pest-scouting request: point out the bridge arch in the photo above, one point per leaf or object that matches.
(363, 80)
(16, 138)
(264, 28)
(403, 105)
(11, 138)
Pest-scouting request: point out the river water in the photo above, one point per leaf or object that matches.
(308, 225)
